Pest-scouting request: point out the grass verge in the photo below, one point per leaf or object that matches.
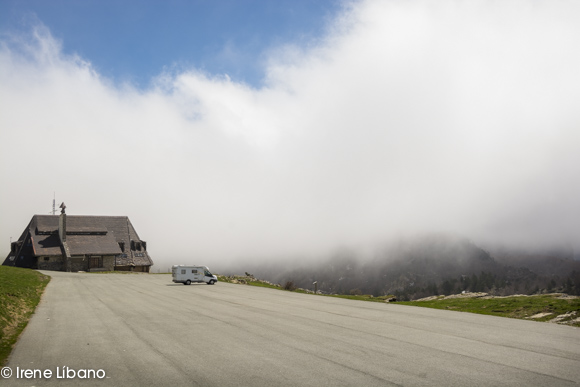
(246, 280)
(20, 292)
(547, 307)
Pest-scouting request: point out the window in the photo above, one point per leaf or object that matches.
(47, 258)
(136, 245)
(182, 271)
(194, 271)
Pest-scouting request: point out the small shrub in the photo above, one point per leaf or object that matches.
(289, 285)
(355, 292)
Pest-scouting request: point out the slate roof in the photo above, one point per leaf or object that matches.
(92, 244)
(45, 244)
(87, 235)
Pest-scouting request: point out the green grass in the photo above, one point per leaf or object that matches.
(244, 280)
(20, 292)
(513, 307)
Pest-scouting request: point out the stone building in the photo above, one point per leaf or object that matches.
(80, 243)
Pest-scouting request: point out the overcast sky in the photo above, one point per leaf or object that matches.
(228, 130)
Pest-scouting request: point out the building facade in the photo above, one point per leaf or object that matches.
(80, 243)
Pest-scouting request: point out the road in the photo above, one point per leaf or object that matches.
(143, 330)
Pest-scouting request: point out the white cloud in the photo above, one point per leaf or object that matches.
(408, 116)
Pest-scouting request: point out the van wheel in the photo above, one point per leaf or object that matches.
(211, 282)
(188, 282)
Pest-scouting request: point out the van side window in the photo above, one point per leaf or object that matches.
(194, 271)
(182, 271)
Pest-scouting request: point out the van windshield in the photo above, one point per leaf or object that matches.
(208, 274)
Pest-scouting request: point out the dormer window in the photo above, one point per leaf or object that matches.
(136, 245)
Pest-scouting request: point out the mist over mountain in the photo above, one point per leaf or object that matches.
(403, 117)
(420, 266)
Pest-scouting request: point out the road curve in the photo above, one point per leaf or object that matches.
(143, 330)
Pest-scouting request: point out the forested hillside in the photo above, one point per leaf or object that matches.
(435, 264)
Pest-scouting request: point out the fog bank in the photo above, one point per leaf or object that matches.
(405, 117)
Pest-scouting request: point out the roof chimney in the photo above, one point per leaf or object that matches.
(62, 224)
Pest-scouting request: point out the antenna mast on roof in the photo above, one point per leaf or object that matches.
(54, 203)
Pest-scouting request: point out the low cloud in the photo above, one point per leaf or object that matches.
(407, 116)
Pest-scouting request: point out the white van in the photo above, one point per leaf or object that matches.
(187, 274)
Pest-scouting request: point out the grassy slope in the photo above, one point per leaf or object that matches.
(522, 307)
(20, 292)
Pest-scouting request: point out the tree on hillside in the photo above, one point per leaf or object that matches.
(447, 287)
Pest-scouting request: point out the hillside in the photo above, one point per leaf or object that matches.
(434, 264)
